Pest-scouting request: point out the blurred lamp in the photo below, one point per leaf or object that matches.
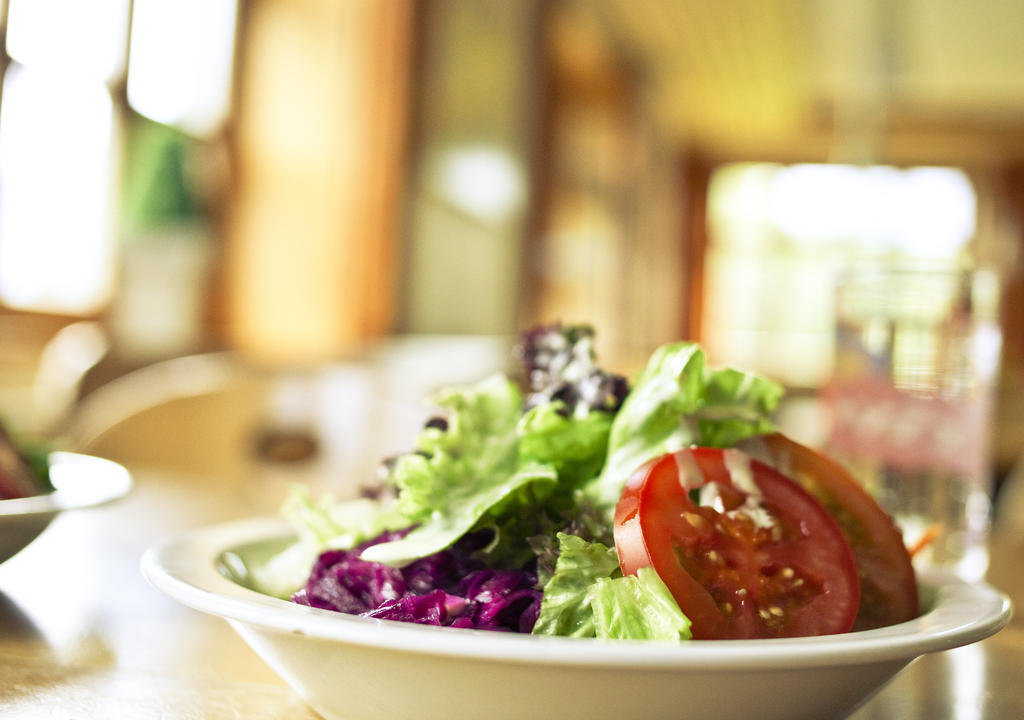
(483, 181)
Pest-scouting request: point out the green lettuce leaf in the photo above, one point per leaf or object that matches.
(678, 402)
(637, 607)
(328, 523)
(478, 437)
(566, 607)
(574, 446)
(320, 525)
(458, 516)
(589, 597)
(736, 405)
(463, 470)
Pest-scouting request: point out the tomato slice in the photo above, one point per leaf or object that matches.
(757, 557)
(888, 586)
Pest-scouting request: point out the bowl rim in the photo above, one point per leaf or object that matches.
(79, 481)
(184, 566)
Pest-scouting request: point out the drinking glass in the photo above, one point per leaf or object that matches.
(917, 354)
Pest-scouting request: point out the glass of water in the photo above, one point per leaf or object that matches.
(917, 355)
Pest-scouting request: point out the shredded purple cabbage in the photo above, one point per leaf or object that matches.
(449, 588)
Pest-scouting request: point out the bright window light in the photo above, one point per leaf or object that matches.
(56, 168)
(941, 212)
(180, 62)
(85, 38)
(926, 212)
(780, 235)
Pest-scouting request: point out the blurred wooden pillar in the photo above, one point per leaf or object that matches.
(696, 172)
(1011, 201)
(1009, 424)
(319, 149)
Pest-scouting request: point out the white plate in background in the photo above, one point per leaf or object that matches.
(79, 481)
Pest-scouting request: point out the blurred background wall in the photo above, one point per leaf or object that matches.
(296, 180)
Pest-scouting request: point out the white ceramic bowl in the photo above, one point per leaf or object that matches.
(362, 669)
(79, 481)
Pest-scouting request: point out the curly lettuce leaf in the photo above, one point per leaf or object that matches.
(328, 523)
(464, 469)
(320, 525)
(737, 405)
(589, 597)
(677, 402)
(477, 436)
(459, 515)
(566, 607)
(637, 607)
(574, 446)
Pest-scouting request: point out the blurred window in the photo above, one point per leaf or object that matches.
(779, 235)
(180, 62)
(63, 112)
(56, 169)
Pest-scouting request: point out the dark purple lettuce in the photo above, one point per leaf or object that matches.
(450, 588)
(558, 363)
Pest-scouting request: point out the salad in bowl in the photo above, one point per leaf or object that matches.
(571, 544)
(566, 500)
(37, 484)
(23, 467)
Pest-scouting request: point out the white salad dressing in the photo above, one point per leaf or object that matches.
(687, 467)
(740, 472)
(737, 464)
(711, 497)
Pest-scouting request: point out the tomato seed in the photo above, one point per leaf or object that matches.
(695, 520)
